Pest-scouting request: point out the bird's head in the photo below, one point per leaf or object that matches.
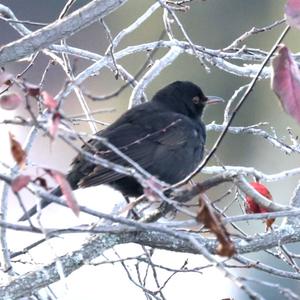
(185, 97)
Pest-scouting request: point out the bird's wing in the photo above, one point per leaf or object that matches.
(128, 144)
(147, 143)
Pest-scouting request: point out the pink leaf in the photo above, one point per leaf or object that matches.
(10, 101)
(49, 101)
(292, 13)
(20, 182)
(5, 78)
(285, 81)
(55, 121)
(66, 190)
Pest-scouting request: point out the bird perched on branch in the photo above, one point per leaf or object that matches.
(165, 136)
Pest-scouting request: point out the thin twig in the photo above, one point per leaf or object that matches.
(235, 111)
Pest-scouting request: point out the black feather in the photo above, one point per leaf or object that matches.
(165, 136)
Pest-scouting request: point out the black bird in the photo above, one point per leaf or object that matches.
(165, 136)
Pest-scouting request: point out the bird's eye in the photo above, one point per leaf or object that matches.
(196, 100)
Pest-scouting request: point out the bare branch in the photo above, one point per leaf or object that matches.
(60, 29)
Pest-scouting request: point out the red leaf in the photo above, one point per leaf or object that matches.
(49, 101)
(10, 101)
(292, 13)
(285, 82)
(55, 121)
(253, 208)
(17, 152)
(66, 190)
(5, 78)
(20, 182)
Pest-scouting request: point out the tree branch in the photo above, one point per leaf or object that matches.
(176, 241)
(62, 28)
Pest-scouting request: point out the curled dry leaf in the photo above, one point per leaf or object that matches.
(213, 222)
(6, 78)
(66, 190)
(10, 101)
(285, 81)
(49, 101)
(292, 13)
(17, 152)
(252, 208)
(20, 182)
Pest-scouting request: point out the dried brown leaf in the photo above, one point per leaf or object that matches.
(17, 152)
(212, 221)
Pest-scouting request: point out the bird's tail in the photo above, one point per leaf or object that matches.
(43, 203)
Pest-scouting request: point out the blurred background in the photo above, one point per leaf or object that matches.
(213, 24)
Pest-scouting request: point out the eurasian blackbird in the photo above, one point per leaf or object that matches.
(165, 136)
